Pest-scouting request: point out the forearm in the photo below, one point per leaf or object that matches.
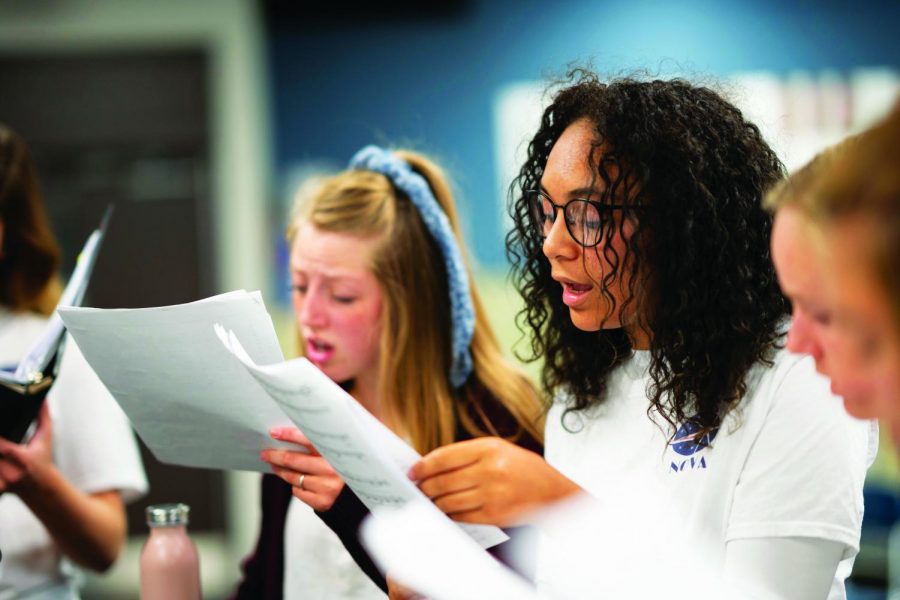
(88, 528)
(791, 568)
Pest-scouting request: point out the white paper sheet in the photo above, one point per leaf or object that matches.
(183, 392)
(370, 458)
(599, 547)
(432, 556)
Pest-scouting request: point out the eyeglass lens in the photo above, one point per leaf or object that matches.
(583, 220)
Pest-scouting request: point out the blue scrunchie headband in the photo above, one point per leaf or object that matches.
(462, 312)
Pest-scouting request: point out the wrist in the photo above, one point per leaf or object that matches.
(564, 488)
(40, 482)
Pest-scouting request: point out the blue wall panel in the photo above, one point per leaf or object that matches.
(430, 83)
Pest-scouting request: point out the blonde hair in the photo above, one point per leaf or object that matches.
(415, 356)
(801, 190)
(856, 178)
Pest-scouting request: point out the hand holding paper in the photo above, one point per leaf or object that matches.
(196, 396)
(313, 480)
(490, 480)
(369, 457)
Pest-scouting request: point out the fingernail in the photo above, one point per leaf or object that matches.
(275, 432)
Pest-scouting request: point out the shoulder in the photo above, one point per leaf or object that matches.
(18, 331)
(78, 382)
(791, 385)
(789, 368)
(791, 407)
(800, 458)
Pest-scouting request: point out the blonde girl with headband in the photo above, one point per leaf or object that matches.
(386, 307)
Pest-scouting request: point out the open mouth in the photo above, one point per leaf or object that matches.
(318, 351)
(574, 293)
(577, 288)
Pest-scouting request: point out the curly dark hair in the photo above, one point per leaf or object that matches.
(702, 280)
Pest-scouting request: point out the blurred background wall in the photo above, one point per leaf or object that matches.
(199, 119)
(428, 76)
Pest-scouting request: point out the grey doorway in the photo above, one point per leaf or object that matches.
(130, 129)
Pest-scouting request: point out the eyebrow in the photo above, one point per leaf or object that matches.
(330, 277)
(810, 303)
(585, 192)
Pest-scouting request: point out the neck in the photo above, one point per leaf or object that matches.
(365, 391)
(640, 337)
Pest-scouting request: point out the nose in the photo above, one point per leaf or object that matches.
(558, 243)
(310, 309)
(804, 339)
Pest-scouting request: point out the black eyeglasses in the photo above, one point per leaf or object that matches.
(585, 219)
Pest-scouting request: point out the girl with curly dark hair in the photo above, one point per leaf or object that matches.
(385, 305)
(655, 306)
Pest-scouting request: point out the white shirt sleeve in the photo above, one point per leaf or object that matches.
(93, 444)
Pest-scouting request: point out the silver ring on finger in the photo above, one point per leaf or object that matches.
(300, 481)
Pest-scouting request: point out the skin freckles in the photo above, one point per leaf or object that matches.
(338, 305)
(338, 302)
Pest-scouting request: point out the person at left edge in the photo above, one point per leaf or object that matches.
(63, 491)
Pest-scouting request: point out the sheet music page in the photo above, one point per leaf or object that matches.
(185, 395)
(370, 457)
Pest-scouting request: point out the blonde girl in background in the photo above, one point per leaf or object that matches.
(385, 306)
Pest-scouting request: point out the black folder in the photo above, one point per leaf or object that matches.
(22, 394)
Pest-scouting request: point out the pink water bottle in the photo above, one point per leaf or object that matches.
(170, 567)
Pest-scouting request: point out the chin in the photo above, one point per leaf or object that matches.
(337, 375)
(894, 426)
(584, 321)
(861, 405)
(590, 320)
(329, 371)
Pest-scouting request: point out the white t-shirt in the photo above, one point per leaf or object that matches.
(316, 564)
(93, 447)
(788, 463)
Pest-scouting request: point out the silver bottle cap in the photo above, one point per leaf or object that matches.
(167, 515)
